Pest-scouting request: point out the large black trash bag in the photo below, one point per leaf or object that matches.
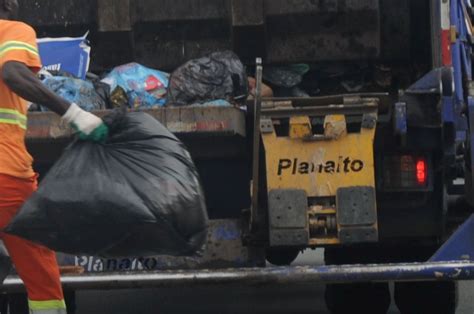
(220, 75)
(136, 195)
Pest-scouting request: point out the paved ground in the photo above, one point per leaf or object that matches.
(290, 299)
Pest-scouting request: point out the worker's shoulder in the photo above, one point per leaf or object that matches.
(16, 26)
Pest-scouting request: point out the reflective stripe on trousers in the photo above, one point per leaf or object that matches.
(47, 307)
(56, 311)
(11, 116)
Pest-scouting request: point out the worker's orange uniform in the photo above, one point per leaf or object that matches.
(36, 265)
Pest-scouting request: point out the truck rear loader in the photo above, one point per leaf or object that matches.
(365, 168)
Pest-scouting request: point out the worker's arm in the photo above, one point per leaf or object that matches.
(21, 80)
(17, 66)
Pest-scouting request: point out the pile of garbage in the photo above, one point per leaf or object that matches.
(218, 78)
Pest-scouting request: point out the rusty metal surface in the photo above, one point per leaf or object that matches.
(265, 276)
(164, 34)
(204, 120)
(384, 101)
(144, 11)
(207, 132)
(171, 44)
(172, 10)
(314, 111)
(285, 7)
(224, 249)
(114, 15)
(58, 12)
(247, 12)
(337, 36)
(321, 47)
(395, 28)
(226, 121)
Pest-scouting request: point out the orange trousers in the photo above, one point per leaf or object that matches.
(36, 265)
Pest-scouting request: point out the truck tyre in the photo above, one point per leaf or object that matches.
(281, 257)
(17, 303)
(367, 298)
(70, 299)
(4, 304)
(426, 297)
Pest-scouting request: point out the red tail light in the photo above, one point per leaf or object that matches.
(421, 168)
(405, 172)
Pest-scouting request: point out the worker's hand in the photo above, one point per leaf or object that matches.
(89, 126)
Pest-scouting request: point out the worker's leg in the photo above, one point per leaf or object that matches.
(36, 265)
(38, 269)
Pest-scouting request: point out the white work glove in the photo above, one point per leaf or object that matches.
(88, 126)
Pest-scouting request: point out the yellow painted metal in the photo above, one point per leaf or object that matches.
(300, 127)
(335, 126)
(320, 164)
(323, 211)
(323, 241)
(454, 34)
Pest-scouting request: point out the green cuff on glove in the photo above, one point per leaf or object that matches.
(99, 135)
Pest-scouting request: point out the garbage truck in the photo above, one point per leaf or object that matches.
(374, 164)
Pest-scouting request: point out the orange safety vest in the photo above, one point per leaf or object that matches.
(17, 43)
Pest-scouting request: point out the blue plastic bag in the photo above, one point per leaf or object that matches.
(216, 103)
(71, 55)
(77, 91)
(145, 87)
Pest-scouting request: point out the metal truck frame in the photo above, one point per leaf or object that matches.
(367, 176)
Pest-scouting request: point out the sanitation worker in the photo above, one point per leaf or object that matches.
(19, 60)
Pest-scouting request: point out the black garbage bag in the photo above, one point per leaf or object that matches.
(286, 76)
(220, 75)
(138, 194)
